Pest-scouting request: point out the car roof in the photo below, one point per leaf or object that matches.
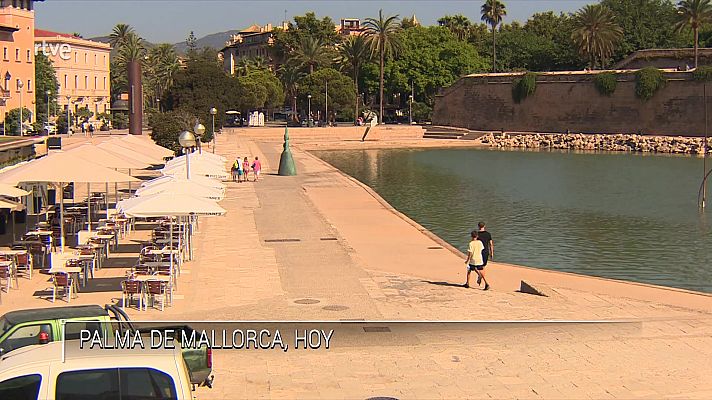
(51, 313)
(52, 352)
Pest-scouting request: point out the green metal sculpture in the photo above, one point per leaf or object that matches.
(286, 162)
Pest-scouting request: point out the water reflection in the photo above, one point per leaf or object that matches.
(617, 215)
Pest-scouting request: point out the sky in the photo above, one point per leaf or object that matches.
(160, 21)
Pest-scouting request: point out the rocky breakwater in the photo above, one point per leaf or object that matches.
(619, 142)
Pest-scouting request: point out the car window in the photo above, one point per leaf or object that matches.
(21, 388)
(146, 384)
(4, 326)
(95, 384)
(25, 336)
(72, 330)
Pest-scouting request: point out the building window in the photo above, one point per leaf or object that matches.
(86, 82)
(29, 4)
(17, 54)
(4, 54)
(29, 85)
(66, 85)
(104, 60)
(76, 81)
(95, 58)
(86, 58)
(29, 56)
(104, 83)
(14, 3)
(96, 85)
(105, 109)
(76, 57)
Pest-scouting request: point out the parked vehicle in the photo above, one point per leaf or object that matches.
(49, 371)
(23, 328)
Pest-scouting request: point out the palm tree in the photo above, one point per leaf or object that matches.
(493, 11)
(311, 53)
(352, 54)
(692, 14)
(290, 75)
(163, 65)
(458, 24)
(119, 34)
(383, 40)
(131, 49)
(596, 33)
(243, 66)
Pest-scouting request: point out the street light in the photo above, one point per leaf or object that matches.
(48, 93)
(69, 104)
(20, 84)
(158, 102)
(187, 141)
(199, 130)
(410, 111)
(309, 119)
(213, 112)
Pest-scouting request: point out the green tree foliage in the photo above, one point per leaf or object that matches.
(312, 54)
(422, 112)
(84, 114)
(45, 81)
(201, 86)
(692, 15)
(167, 126)
(648, 81)
(304, 26)
(62, 122)
(458, 24)
(431, 57)
(703, 73)
(493, 12)
(12, 120)
(524, 87)
(352, 54)
(252, 95)
(160, 69)
(646, 24)
(341, 92)
(274, 90)
(606, 83)
(596, 34)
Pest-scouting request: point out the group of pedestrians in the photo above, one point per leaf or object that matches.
(241, 169)
(479, 251)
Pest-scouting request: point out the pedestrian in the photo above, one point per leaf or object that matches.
(91, 130)
(234, 169)
(486, 239)
(474, 260)
(246, 169)
(256, 168)
(84, 128)
(238, 162)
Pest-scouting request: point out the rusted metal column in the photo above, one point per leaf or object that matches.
(135, 98)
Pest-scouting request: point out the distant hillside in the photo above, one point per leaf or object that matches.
(215, 40)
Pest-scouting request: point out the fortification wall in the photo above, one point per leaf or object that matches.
(570, 102)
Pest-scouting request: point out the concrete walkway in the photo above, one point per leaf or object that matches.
(320, 246)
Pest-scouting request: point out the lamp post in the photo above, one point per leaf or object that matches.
(326, 103)
(187, 141)
(158, 103)
(309, 117)
(213, 113)
(69, 103)
(48, 93)
(199, 130)
(20, 84)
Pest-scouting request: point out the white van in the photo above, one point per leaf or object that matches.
(38, 372)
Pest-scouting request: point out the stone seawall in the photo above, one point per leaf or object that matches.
(635, 143)
(570, 102)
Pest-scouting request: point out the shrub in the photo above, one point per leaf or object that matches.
(524, 87)
(165, 128)
(703, 73)
(12, 120)
(648, 81)
(606, 83)
(422, 112)
(119, 121)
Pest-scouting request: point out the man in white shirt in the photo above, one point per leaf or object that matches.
(474, 260)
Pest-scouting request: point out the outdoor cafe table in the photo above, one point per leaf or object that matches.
(74, 271)
(106, 240)
(161, 278)
(98, 248)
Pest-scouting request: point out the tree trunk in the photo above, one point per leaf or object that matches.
(380, 117)
(295, 116)
(697, 44)
(311, 69)
(494, 48)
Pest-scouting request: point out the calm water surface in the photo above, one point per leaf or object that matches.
(622, 216)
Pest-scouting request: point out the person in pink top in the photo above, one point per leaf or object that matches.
(256, 168)
(246, 169)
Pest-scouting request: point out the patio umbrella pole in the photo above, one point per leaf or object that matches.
(89, 206)
(106, 200)
(61, 217)
(130, 183)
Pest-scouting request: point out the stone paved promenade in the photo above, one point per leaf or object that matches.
(376, 265)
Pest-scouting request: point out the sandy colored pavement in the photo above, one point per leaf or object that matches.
(351, 257)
